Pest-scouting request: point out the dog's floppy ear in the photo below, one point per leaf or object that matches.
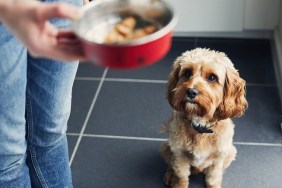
(234, 101)
(172, 81)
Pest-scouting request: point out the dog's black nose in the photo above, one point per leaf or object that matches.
(192, 93)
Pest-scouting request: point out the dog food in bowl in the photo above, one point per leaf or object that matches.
(125, 34)
(127, 30)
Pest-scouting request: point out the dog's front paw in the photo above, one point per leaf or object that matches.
(213, 186)
(173, 181)
(170, 178)
(181, 184)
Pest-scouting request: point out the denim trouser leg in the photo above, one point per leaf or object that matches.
(49, 89)
(34, 109)
(39, 89)
(13, 63)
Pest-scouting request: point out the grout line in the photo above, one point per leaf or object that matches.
(119, 137)
(163, 139)
(73, 134)
(88, 115)
(88, 78)
(135, 80)
(121, 80)
(257, 144)
(154, 81)
(125, 137)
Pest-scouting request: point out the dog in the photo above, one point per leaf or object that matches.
(205, 91)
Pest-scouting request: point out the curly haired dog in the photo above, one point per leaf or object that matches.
(205, 91)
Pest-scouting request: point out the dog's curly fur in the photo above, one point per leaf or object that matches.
(219, 94)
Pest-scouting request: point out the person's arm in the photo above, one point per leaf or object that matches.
(4, 5)
(28, 21)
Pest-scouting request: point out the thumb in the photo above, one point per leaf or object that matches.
(59, 10)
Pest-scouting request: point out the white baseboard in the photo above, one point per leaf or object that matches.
(265, 34)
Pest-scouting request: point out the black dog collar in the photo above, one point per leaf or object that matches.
(201, 129)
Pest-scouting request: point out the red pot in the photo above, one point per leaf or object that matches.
(99, 18)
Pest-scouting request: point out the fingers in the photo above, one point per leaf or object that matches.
(64, 49)
(65, 54)
(69, 50)
(85, 2)
(69, 44)
(59, 10)
(66, 34)
(67, 38)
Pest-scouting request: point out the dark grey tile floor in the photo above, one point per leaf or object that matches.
(114, 134)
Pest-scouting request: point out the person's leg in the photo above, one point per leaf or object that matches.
(49, 91)
(13, 169)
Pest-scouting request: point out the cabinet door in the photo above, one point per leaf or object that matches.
(209, 15)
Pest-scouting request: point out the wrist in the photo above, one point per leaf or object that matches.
(10, 8)
(5, 7)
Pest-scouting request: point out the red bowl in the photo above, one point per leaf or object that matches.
(100, 16)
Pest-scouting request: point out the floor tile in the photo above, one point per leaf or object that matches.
(71, 143)
(261, 122)
(129, 109)
(82, 97)
(255, 167)
(89, 70)
(159, 70)
(111, 163)
(138, 109)
(252, 57)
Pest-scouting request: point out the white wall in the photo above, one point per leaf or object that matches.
(209, 15)
(226, 15)
(261, 14)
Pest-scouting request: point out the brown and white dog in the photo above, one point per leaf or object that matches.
(205, 91)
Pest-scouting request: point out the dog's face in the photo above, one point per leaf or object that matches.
(204, 83)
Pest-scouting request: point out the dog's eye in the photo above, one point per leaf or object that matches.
(188, 73)
(212, 78)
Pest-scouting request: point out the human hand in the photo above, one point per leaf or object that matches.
(28, 21)
(85, 2)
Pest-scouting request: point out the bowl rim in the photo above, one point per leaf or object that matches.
(139, 41)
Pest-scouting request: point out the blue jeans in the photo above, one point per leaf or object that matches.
(35, 104)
